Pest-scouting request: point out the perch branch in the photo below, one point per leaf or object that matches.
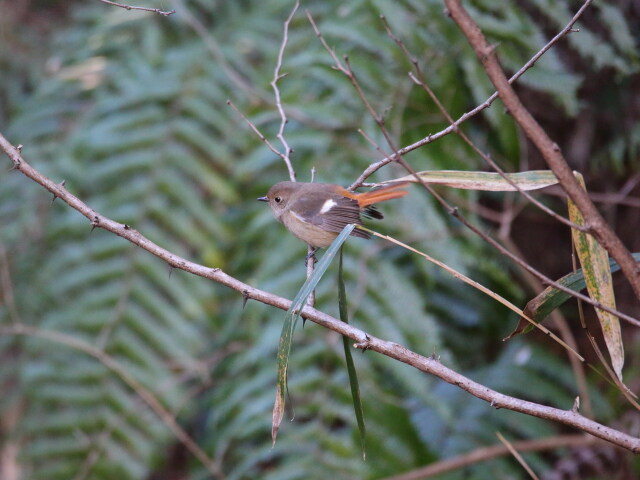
(429, 365)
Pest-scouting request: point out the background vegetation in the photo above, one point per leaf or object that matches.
(129, 109)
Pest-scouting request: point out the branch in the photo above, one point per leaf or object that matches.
(274, 84)
(487, 103)
(488, 453)
(130, 7)
(113, 365)
(364, 341)
(597, 226)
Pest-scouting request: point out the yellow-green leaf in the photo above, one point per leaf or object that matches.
(597, 273)
(487, 181)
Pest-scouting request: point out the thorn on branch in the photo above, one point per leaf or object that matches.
(95, 223)
(245, 298)
(365, 345)
(61, 184)
(171, 267)
(576, 405)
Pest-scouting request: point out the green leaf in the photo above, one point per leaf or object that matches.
(551, 298)
(291, 318)
(351, 368)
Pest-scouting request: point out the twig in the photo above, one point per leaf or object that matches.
(130, 7)
(486, 104)
(419, 80)
(487, 453)
(109, 362)
(6, 285)
(274, 84)
(517, 456)
(363, 340)
(218, 55)
(597, 225)
(256, 131)
(565, 333)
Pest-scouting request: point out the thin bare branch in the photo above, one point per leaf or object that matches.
(486, 104)
(517, 456)
(113, 365)
(484, 454)
(131, 7)
(257, 131)
(274, 84)
(419, 80)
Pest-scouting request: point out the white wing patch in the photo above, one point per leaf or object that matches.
(328, 205)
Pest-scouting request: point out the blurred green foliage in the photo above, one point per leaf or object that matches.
(130, 110)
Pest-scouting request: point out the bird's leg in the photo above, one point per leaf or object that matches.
(310, 255)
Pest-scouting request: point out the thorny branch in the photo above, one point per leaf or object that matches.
(430, 365)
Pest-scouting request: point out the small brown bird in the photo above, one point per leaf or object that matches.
(317, 212)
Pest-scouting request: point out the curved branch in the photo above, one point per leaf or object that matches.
(430, 365)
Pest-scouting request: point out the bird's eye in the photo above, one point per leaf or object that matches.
(277, 199)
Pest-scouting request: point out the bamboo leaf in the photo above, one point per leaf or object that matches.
(551, 298)
(291, 318)
(595, 265)
(351, 368)
(486, 181)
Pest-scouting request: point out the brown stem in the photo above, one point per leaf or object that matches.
(487, 453)
(597, 226)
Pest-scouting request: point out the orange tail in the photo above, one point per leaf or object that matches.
(382, 194)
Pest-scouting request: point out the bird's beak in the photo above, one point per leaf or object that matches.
(263, 199)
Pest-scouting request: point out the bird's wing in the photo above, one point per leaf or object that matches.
(332, 215)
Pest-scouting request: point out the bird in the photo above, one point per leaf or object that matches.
(317, 212)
